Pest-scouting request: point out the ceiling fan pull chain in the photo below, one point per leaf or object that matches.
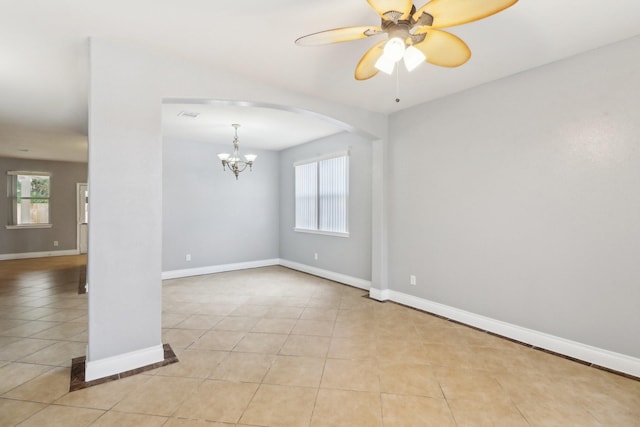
(397, 84)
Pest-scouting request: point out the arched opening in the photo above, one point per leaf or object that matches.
(213, 222)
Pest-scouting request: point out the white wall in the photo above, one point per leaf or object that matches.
(349, 256)
(520, 200)
(209, 214)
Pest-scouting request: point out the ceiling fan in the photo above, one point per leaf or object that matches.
(414, 35)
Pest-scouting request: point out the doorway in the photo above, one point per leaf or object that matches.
(83, 216)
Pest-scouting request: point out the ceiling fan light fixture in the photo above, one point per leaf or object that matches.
(394, 49)
(385, 64)
(413, 57)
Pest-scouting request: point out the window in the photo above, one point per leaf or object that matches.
(29, 194)
(322, 195)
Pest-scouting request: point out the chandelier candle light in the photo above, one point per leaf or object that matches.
(233, 161)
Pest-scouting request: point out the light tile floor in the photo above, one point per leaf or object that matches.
(275, 347)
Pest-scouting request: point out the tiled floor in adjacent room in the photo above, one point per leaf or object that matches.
(275, 347)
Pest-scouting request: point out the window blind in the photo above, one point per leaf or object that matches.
(322, 195)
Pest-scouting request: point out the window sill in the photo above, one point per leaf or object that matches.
(27, 226)
(325, 233)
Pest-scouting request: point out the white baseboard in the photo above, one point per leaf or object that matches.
(96, 369)
(326, 274)
(24, 255)
(198, 271)
(596, 356)
(379, 294)
(336, 277)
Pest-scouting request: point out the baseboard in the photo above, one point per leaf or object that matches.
(199, 271)
(582, 352)
(101, 368)
(379, 294)
(24, 255)
(326, 274)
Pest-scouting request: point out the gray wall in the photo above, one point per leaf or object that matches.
(210, 215)
(63, 209)
(350, 256)
(520, 199)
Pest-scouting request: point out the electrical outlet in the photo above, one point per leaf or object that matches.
(315, 256)
(412, 280)
(55, 243)
(188, 257)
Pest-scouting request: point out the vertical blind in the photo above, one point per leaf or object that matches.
(307, 196)
(322, 195)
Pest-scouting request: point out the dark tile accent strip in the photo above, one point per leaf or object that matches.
(77, 381)
(468, 326)
(564, 356)
(553, 353)
(524, 344)
(611, 371)
(372, 299)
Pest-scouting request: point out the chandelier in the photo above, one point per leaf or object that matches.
(233, 161)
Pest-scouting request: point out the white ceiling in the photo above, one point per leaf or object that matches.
(44, 56)
(261, 126)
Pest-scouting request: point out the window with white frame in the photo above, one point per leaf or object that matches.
(322, 195)
(29, 194)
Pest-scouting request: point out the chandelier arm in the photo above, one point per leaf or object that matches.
(239, 166)
(242, 166)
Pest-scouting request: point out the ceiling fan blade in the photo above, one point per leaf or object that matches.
(366, 67)
(442, 48)
(447, 13)
(385, 8)
(338, 35)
